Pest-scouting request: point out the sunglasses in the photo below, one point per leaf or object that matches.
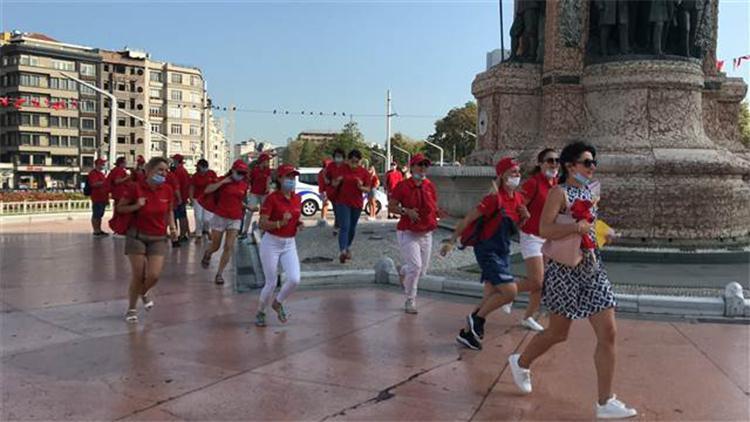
(588, 163)
(552, 161)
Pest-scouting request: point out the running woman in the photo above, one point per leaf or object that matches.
(150, 201)
(580, 292)
(500, 212)
(374, 183)
(97, 182)
(322, 192)
(392, 178)
(118, 179)
(415, 200)
(198, 182)
(351, 184)
(259, 178)
(334, 171)
(280, 218)
(230, 192)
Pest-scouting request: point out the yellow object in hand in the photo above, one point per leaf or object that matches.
(603, 231)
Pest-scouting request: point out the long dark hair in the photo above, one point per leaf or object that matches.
(539, 157)
(570, 154)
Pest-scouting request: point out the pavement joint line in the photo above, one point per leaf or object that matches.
(686, 337)
(499, 375)
(328, 384)
(246, 371)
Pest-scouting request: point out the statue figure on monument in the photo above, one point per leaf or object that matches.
(660, 15)
(613, 13)
(687, 23)
(524, 31)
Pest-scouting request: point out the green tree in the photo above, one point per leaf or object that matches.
(350, 138)
(311, 155)
(451, 131)
(292, 153)
(404, 142)
(744, 123)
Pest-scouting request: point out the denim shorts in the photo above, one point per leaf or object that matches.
(180, 211)
(97, 209)
(495, 266)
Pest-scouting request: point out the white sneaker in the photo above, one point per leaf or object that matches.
(531, 324)
(614, 409)
(410, 307)
(507, 308)
(521, 376)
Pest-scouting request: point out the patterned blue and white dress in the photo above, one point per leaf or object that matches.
(581, 291)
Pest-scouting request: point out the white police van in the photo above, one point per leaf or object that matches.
(307, 188)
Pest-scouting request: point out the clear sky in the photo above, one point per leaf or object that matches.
(319, 56)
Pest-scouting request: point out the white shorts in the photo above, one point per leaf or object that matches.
(531, 245)
(221, 224)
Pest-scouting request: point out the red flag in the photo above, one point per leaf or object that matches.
(35, 103)
(19, 102)
(46, 102)
(720, 65)
(74, 104)
(4, 101)
(57, 105)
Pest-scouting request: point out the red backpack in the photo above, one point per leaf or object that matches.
(120, 223)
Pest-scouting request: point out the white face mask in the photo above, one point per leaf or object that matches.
(513, 182)
(551, 174)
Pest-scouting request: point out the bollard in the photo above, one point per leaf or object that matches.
(734, 301)
(383, 268)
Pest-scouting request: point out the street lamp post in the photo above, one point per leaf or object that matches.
(408, 154)
(145, 123)
(112, 116)
(442, 152)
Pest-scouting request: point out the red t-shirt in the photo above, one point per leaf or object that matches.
(374, 180)
(392, 179)
(117, 190)
(174, 182)
(138, 175)
(536, 190)
(423, 198)
(259, 178)
(349, 193)
(489, 209)
(152, 218)
(276, 205)
(229, 199)
(199, 181)
(183, 178)
(322, 187)
(98, 194)
(332, 172)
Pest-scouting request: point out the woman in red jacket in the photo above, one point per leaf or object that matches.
(229, 193)
(279, 217)
(151, 202)
(351, 183)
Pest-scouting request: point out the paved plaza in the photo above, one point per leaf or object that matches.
(346, 354)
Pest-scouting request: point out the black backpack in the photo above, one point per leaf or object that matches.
(87, 188)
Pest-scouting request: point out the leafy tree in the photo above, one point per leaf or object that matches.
(744, 123)
(311, 155)
(452, 130)
(404, 142)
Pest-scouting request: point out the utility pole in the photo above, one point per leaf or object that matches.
(502, 41)
(230, 122)
(388, 116)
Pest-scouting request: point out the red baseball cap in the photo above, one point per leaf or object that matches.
(504, 165)
(285, 170)
(178, 157)
(240, 166)
(419, 159)
(99, 161)
(140, 159)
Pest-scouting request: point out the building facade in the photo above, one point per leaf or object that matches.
(219, 157)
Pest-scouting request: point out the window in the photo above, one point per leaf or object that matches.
(132, 86)
(73, 122)
(87, 141)
(121, 104)
(63, 65)
(120, 139)
(195, 80)
(27, 79)
(54, 141)
(87, 105)
(39, 159)
(119, 68)
(106, 68)
(154, 93)
(154, 111)
(196, 97)
(86, 90)
(73, 141)
(194, 114)
(106, 86)
(174, 112)
(194, 130)
(87, 161)
(155, 76)
(176, 78)
(176, 95)
(28, 60)
(121, 87)
(88, 69)
(132, 103)
(63, 84)
(54, 121)
(155, 127)
(175, 129)
(88, 124)
(121, 121)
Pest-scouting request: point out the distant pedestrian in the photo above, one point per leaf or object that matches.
(229, 193)
(323, 192)
(118, 178)
(392, 178)
(138, 174)
(260, 181)
(174, 182)
(97, 183)
(575, 292)
(280, 219)
(352, 184)
(415, 200)
(183, 179)
(150, 204)
(335, 171)
(198, 182)
(374, 184)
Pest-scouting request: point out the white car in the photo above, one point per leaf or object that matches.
(307, 188)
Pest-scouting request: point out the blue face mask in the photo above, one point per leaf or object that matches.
(158, 179)
(288, 185)
(418, 176)
(237, 177)
(578, 177)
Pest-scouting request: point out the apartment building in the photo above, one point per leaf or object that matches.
(219, 158)
(48, 133)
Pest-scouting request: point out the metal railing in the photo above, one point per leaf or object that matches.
(45, 207)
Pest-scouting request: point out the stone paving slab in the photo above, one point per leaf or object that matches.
(346, 354)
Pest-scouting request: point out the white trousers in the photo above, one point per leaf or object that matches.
(415, 258)
(202, 218)
(275, 250)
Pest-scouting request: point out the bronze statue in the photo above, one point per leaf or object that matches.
(660, 15)
(613, 13)
(525, 28)
(687, 23)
